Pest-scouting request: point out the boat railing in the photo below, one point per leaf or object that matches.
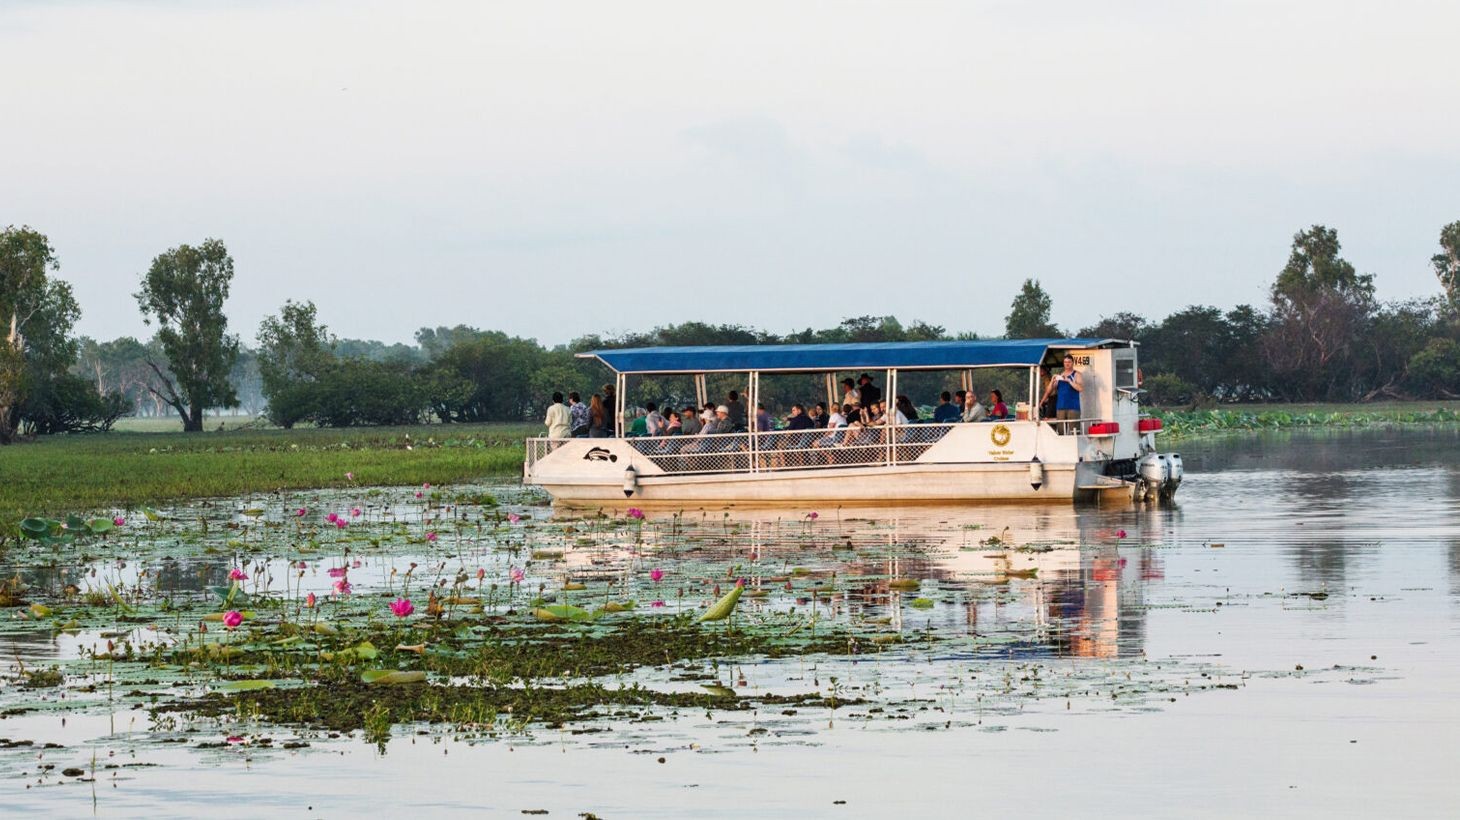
(789, 449)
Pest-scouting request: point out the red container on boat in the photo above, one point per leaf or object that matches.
(1149, 425)
(1103, 428)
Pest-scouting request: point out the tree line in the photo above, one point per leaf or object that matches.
(1322, 336)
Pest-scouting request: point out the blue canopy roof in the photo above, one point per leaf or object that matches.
(835, 357)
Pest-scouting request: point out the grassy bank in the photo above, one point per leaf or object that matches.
(1181, 423)
(62, 474)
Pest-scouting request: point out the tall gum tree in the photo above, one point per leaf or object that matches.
(1447, 266)
(184, 292)
(25, 256)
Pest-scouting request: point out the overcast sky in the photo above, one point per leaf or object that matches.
(553, 169)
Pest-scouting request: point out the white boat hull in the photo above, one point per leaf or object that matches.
(895, 484)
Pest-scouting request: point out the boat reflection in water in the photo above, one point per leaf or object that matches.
(1022, 582)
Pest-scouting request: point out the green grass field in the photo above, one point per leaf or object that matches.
(82, 473)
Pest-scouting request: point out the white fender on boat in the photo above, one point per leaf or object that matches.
(631, 482)
(1036, 473)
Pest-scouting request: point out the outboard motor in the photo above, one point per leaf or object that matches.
(1174, 475)
(631, 482)
(1154, 472)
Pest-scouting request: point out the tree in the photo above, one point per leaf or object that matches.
(1029, 314)
(294, 351)
(1321, 308)
(1124, 325)
(1447, 265)
(183, 292)
(28, 301)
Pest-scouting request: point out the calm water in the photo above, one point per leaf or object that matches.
(1285, 640)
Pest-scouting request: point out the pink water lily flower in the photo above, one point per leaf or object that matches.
(349, 476)
(740, 582)
(341, 523)
(518, 575)
(332, 517)
(338, 572)
(481, 573)
(235, 739)
(300, 513)
(232, 618)
(656, 575)
(431, 536)
(426, 486)
(309, 600)
(119, 521)
(356, 564)
(657, 604)
(1120, 533)
(513, 518)
(342, 587)
(419, 493)
(355, 512)
(402, 607)
(813, 515)
(636, 513)
(237, 574)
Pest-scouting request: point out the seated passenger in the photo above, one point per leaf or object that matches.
(736, 412)
(946, 412)
(972, 409)
(654, 423)
(798, 420)
(689, 422)
(672, 426)
(906, 413)
(763, 422)
(998, 410)
(640, 425)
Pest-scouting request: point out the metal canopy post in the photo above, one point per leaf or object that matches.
(752, 416)
(889, 414)
(700, 393)
(620, 387)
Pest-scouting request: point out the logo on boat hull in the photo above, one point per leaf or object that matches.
(1000, 435)
(599, 454)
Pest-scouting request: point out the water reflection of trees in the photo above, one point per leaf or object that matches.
(1319, 554)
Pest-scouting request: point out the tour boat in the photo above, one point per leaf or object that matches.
(1108, 452)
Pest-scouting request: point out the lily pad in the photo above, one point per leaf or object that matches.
(723, 607)
(392, 676)
(562, 612)
(246, 685)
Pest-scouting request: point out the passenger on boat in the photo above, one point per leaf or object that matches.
(721, 422)
(1067, 386)
(906, 413)
(817, 413)
(654, 422)
(640, 425)
(578, 412)
(600, 424)
(946, 412)
(849, 393)
(836, 429)
(997, 409)
(868, 392)
(559, 419)
(972, 409)
(799, 420)
(689, 422)
(763, 422)
(736, 412)
(672, 425)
